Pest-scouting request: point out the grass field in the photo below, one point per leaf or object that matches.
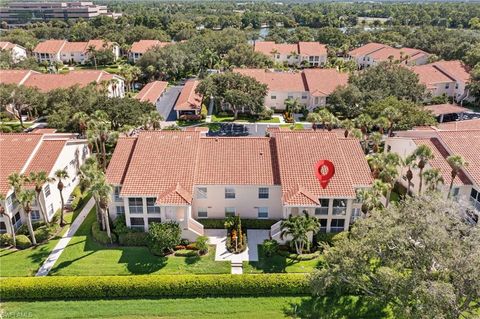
(83, 256)
(199, 308)
(279, 264)
(217, 119)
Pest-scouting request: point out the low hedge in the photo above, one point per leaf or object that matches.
(186, 253)
(133, 239)
(101, 236)
(297, 257)
(246, 223)
(23, 242)
(96, 287)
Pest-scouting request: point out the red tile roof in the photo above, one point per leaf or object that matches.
(455, 69)
(143, 46)
(46, 156)
(302, 48)
(5, 45)
(14, 76)
(311, 48)
(188, 99)
(319, 82)
(50, 46)
(152, 91)
(167, 164)
(460, 125)
(236, 160)
(466, 144)
(440, 109)
(440, 161)
(442, 72)
(120, 160)
(366, 49)
(75, 47)
(15, 150)
(382, 52)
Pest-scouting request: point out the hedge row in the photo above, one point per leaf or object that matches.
(246, 223)
(36, 288)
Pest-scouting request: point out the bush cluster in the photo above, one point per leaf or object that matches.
(301, 257)
(163, 237)
(77, 198)
(96, 287)
(132, 239)
(186, 253)
(270, 247)
(6, 240)
(246, 223)
(23, 242)
(101, 236)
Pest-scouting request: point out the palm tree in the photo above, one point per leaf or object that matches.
(392, 115)
(376, 139)
(81, 118)
(89, 173)
(38, 180)
(155, 119)
(16, 181)
(433, 177)
(409, 162)
(298, 227)
(25, 198)
(370, 198)
(7, 219)
(293, 106)
(61, 175)
(322, 116)
(456, 162)
(423, 154)
(389, 175)
(347, 125)
(92, 53)
(101, 192)
(383, 124)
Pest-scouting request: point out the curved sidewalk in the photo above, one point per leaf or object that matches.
(58, 250)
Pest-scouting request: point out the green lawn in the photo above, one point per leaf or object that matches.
(217, 119)
(14, 263)
(83, 256)
(296, 126)
(199, 308)
(277, 263)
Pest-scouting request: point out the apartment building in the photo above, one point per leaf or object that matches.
(115, 84)
(371, 54)
(24, 12)
(72, 52)
(301, 54)
(310, 86)
(185, 176)
(448, 78)
(139, 48)
(37, 152)
(152, 92)
(188, 102)
(453, 138)
(16, 51)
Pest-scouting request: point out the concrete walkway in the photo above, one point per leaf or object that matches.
(57, 251)
(218, 237)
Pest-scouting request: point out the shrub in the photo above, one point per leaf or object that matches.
(77, 197)
(270, 247)
(6, 240)
(202, 244)
(101, 236)
(299, 257)
(23, 229)
(204, 111)
(186, 253)
(162, 237)
(179, 247)
(23, 242)
(43, 233)
(103, 287)
(266, 114)
(191, 246)
(339, 236)
(119, 225)
(133, 239)
(325, 238)
(246, 223)
(190, 117)
(184, 242)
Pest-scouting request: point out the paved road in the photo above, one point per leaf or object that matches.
(167, 102)
(58, 250)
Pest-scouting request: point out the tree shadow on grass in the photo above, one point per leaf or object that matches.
(347, 307)
(64, 264)
(140, 261)
(192, 260)
(273, 264)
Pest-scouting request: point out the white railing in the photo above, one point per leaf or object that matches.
(276, 229)
(195, 226)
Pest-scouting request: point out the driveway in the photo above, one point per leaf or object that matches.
(166, 103)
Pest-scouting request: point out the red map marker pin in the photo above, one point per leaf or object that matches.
(324, 178)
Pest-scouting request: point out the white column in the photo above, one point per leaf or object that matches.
(127, 211)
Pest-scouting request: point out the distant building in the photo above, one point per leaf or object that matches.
(152, 92)
(25, 12)
(139, 48)
(49, 82)
(448, 78)
(373, 53)
(17, 52)
(37, 152)
(71, 52)
(299, 54)
(310, 86)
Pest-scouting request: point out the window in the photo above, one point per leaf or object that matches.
(356, 214)
(339, 206)
(202, 212)
(317, 58)
(46, 190)
(316, 100)
(323, 225)
(120, 210)
(136, 222)
(11, 202)
(456, 86)
(455, 192)
(229, 192)
(3, 228)
(475, 198)
(273, 97)
(50, 210)
(323, 209)
(304, 97)
(229, 211)
(16, 220)
(154, 220)
(35, 214)
(447, 86)
(263, 212)
(117, 193)
(201, 193)
(263, 192)
(152, 208)
(337, 225)
(135, 205)
(311, 58)
(290, 96)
